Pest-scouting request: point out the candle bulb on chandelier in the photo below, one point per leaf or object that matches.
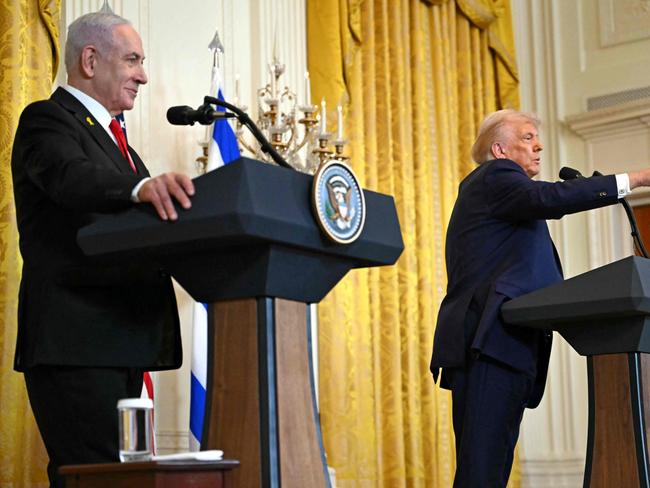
(307, 90)
(339, 122)
(323, 117)
(236, 101)
(272, 70)
(278, 117)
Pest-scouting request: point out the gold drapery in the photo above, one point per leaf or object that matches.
(416, 78)
(29, 58)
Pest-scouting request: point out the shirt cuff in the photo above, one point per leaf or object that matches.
(135, 199)
(623, 185)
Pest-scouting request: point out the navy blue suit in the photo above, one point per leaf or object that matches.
(498, 247)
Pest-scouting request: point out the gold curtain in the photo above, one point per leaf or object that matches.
(416, 78)
(29, 59)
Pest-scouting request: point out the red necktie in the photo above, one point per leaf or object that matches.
(116, 129)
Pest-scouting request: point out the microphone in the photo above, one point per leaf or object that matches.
(567, 173)
(204, 115)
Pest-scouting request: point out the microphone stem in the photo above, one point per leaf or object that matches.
(246, 120)
(636, 237)
(635, 228)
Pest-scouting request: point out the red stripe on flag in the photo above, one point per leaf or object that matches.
(148, 384)
(148, 391)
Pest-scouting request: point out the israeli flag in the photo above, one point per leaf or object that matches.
(223, 148)
(223, 143)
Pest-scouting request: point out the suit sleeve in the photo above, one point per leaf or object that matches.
(513, 196)
(49, 147)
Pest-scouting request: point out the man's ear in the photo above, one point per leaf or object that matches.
(88, 61)
(497, 150)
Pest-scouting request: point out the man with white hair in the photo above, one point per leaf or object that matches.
(88, 329)
(498, 247)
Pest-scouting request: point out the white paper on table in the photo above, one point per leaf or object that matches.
(212, 455)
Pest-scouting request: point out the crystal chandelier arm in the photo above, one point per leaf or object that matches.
(245, 144)
(306, 136)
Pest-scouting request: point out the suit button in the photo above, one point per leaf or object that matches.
(602, 194)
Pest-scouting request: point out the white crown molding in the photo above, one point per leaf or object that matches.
(606, 122)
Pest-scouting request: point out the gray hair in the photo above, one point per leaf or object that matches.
(94, 28)
(492, 130)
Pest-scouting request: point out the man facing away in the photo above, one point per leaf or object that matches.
(498, 247)
(88, 329)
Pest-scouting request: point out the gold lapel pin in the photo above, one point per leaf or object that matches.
(90, 121)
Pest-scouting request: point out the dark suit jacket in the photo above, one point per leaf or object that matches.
(498, 247)
(74, 310)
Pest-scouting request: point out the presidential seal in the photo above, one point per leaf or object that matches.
(338, 203)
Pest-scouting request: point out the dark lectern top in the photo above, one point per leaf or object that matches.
(619, 288)
(603, 311)
(250, 232)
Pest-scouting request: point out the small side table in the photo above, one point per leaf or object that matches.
(150, 474)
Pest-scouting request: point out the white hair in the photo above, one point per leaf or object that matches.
(95, 28)
(492, 130)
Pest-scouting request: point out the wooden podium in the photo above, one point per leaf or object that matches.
(153, 474)
(251, 248)
(605, 315)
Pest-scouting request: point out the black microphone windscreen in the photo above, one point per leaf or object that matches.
(180, 115)
(567, 173)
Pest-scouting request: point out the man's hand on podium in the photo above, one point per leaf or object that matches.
(159, 192)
